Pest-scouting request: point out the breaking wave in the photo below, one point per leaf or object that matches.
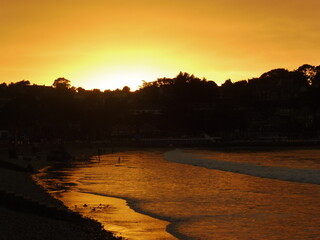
(279, 173)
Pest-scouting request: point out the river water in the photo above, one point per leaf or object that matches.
(196, 193)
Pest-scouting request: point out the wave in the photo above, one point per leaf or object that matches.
(135, 204)
(279, 173)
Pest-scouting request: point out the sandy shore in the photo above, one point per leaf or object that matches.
(116, 214)
(29, 212)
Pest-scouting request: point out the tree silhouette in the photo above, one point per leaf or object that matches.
(61, 83)
(280, 101)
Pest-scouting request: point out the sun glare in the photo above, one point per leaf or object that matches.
(118, 77)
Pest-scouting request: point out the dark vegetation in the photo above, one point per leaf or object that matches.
(278, 104)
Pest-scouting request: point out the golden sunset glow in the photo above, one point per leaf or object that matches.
(115, 43)
(112, 78)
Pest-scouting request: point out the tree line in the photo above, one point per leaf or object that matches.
(279, 103)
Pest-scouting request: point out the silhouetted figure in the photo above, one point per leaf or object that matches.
(119, 159)
(99, 153)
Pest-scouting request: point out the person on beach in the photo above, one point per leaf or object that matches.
(99, 153)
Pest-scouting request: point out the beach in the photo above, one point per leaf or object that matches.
(29, 212)
(165, 194)
(224, 197)
(114, 213)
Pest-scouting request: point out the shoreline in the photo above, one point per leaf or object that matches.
(120, 217)
(38, 214)
(117, 215)
(170, 227)
(78, 152)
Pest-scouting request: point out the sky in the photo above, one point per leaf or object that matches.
(109, 44)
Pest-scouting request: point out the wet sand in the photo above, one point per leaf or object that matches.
(113, 213)
(116, 216)
(28, 212)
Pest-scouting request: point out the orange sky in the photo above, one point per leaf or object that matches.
(109, 44)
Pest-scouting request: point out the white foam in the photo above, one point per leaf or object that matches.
(280, 173)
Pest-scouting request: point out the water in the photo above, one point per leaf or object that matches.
(198, 202)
